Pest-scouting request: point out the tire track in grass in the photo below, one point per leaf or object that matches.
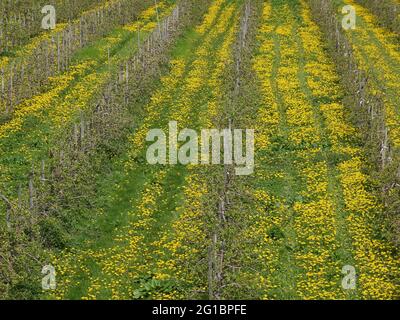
(264, 257)
(275, 187)
(318, 84)
(278, 258)
(300, 253)
(266, 269)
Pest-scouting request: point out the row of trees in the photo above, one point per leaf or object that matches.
(25, 76)
(225, 222)
(368, 111)
(21, 20)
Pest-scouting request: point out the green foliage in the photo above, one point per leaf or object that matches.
(149, 287)
(52, 234)
(276, 233)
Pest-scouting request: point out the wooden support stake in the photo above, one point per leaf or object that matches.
(9, 208)
(42, 175)
(31, 192)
